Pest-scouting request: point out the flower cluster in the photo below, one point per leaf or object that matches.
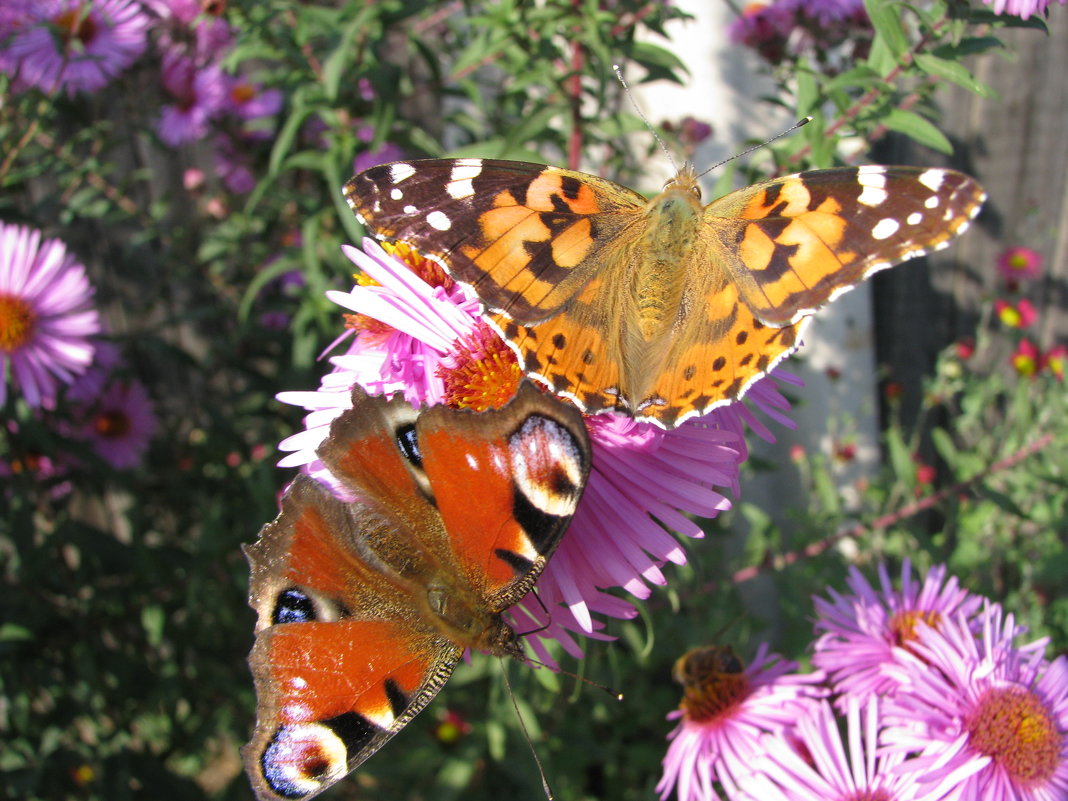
(1021, 267)
(48, 330)
(412, 330)
(81, 45)
(940, 699)
(831, 33)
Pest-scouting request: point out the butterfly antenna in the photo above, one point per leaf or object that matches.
(748, 150)
(637, 108)
(526, 734)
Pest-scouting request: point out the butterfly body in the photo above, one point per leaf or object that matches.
(364, 607)
(665, 308)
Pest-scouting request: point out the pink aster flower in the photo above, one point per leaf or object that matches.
(199, 95)
(1025, 359)
(423, 335)
(46, 315)
(813, 763)
(232, 164)
(1020, 8)
(1015, 315)
(988, 720)
(1019, 263)
(77, 45)
(866, 635)
(726, 711)
(119, 423)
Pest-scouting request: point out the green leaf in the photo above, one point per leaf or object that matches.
(916, 127)
(885, 17)
(284, 141)
(341, 57)
(952, 71)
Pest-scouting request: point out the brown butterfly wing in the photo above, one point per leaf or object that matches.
(526, 237)
(365, 607)
(769, 255)
(794, 243)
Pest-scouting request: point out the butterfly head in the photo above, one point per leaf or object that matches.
(685, 180)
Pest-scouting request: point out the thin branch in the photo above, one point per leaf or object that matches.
(777, 562)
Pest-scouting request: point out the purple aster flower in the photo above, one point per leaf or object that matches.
(866, 635)
(77, 45)
(232, 165)
(185, 28)
(814, 764)
(422, 335)
(199, 95)
(989, 720)
(383, 154)
(726, 711)
(46, 315)
(250, 101)
(119, 423)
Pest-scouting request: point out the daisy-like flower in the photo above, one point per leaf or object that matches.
(416, 331)
(1026, 360)
(865, 635)
(232, 165)
(192, 28)
(47, 318)
(1015, 315)
(77, 45)
(989, 720)
(1020, 8)
(199, 94)
(726, 711)
(1019, 264)
(119, 422)
(814, 764)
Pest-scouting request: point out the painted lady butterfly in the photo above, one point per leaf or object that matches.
(663, 308)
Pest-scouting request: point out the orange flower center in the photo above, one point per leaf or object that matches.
(17, 322)
(112, 424)
(486, 374)
(242, 93)
(903, 625)
(76, 24)
(1013, 727)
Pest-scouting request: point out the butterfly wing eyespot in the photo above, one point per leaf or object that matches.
(658, 309)
(364, 607)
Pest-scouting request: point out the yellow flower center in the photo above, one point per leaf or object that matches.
(903, 625)
(1012, 726)
(713, 683)
(17, 321)
(486, 374)
(242, 93)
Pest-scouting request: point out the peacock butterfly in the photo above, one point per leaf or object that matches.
(365, 607)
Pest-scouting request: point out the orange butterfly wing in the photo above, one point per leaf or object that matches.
(365, 607)
(658, 308)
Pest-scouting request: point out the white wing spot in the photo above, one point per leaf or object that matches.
(964, 226)
(410, 209)
(886, 227)
(439, 220)
(932, 202)
(914, 219)
(400, 171)
(395, 194)
(458, 190)
(466, 169)
(932, 179)
(872, 195)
